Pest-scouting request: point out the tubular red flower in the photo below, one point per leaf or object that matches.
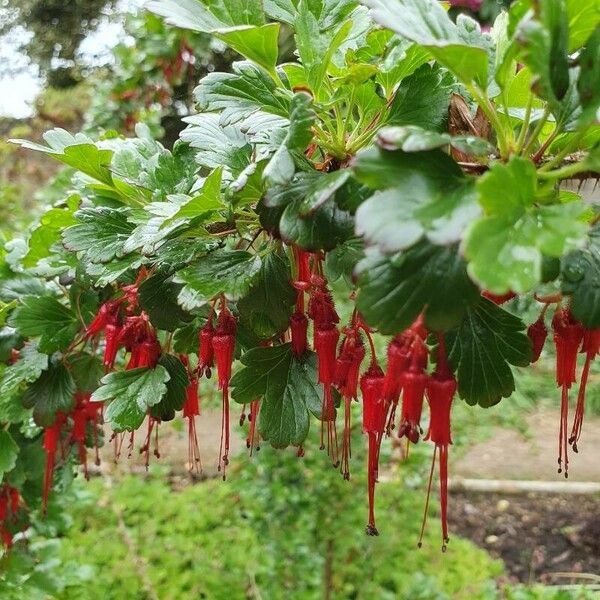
(223, 343)
(537, 333)
(191, 409)
(441, 387)
(80, 417)
(205, 348)
(591, 348)
(299, 328)
(414, 381)
(50, 443)
(568, 335)
(374, 413)
(112, 333)
(398, 361)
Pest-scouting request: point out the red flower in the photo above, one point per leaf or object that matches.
(51, 439)
(591, 347)
(413, 381)
(191, 409)
(537, 333)
(568, 335)
(374, 414)
(205, 348)
(223, 344)
(441, 387)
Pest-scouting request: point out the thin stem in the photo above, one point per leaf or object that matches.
(536, 132)
(564, 152)
(525, 124)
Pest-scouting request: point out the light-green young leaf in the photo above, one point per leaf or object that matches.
(130, 394)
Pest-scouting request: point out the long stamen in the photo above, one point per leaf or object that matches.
(420, 542)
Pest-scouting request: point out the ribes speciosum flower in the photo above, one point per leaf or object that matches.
(223, 343)
(441, 387)
(84, 413)
(537, 333)
(139, 339)
(347, 370)
(298, 321)
(374, 415)
(568, 335)
(591, 348)
(413, 381)
(398, 361)
(10, 501)
(51, 443)
(321, 310)
(205, 348)
(191, 409)
(498, 298)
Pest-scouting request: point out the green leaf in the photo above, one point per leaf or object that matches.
(46, 317)
(342, 260)
(507, 188)
(481, 350)
(77, 151)
(238, 94)
(26, 369)
(207, 16)
(52, 392)
(202, 205)
(9, 451)
(398, 218)
(380, 169)
(288, 390)
(411, 138)
(238, 23)
(229, 272)
(268, 306)
(506, 253)
(580, 275)
(100, 234)
(323, 229)
(175, 396)
(47, 233)
(316, 44)
(258, 44)
(87, 370)
(157, 296)
(394, 290)
(584, 17)
(5, 310)
(544, 38)
(131, 393)
(281, 168)
(217, 145)
(588, 83)
(459, 47)
(422, 99)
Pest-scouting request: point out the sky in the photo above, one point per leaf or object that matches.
(17, 92)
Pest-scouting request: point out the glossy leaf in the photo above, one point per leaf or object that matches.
(288, 390)
(130, 394)
(46, 317)
(394, 290)
(222, 272)
(52, 392)
(268, 305)
(481, 350)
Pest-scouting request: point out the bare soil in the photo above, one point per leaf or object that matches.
(547, 538)
(540, 537)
